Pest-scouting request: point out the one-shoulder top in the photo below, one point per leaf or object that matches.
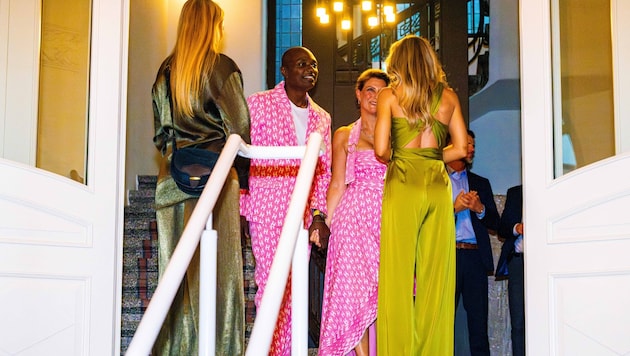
(362, 165)
(403, 133)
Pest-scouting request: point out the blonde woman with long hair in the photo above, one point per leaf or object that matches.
(198, 98)
(414, 116)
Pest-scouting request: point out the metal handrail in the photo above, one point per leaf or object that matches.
(267, 313)
(201, 217)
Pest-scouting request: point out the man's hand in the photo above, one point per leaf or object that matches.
(468, 200)
(244, 227)
(458, 204)
(319, 232)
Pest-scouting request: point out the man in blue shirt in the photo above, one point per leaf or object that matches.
(475, 214)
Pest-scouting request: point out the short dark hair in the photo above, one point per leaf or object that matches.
(369, 74)
(291, 50)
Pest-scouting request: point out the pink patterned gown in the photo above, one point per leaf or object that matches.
(352, 263)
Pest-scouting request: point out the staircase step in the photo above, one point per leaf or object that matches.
(131, 261)
(139, 212)
(142, 196)
(139, 292)
(146, 181)
(136, 238)
(135, 235)
(137, 225)
(140, 266)
(148, 205)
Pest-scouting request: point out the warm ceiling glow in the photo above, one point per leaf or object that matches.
(386, 11)
(345, 24)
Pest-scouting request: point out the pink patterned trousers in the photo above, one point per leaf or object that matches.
(265, 239)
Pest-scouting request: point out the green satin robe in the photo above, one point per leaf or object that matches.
(209, 128)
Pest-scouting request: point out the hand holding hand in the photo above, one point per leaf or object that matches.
(459, 204)
(319, 232)
(244, 227)
(468, 200)
(475, 203)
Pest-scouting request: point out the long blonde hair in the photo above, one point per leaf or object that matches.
(416, 73)
(196, 50)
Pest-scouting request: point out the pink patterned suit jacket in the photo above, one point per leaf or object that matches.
(271, 181)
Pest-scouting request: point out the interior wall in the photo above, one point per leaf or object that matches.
(152, 32)
(498, 148)
(504, 40)
(148, 45)
(453, 48)
(495, 114)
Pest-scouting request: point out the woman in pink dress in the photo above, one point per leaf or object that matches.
(354, 210)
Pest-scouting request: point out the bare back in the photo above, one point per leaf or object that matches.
(448, 105)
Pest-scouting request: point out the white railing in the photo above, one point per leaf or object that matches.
(293, 246)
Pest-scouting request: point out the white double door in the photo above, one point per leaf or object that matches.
(577, 225)
(61, 241)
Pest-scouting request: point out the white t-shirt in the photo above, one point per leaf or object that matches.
(300, 121)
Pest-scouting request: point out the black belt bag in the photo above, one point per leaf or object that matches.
(191, 168)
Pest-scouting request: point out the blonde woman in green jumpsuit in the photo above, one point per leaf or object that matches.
(414, 116)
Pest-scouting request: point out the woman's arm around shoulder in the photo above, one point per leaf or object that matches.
(338, 181)
(382, 130)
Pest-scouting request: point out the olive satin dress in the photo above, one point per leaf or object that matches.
(417, 234)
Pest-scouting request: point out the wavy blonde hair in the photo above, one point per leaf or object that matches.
(416, 73)
(196, 50)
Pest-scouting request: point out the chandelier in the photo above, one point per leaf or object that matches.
(377, 12)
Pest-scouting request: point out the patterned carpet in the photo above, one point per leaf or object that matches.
(140, 269)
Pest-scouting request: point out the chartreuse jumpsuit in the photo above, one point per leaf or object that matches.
(417, 235)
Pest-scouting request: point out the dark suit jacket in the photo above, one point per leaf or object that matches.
(512, 214)
(489, 222)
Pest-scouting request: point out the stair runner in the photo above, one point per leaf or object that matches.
(140, 269)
